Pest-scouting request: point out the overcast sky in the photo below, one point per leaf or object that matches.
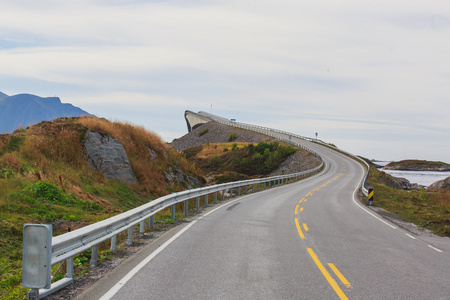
(372, 77)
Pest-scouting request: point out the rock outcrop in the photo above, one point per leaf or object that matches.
(418, 165)
(440, 185)
(108, 156)
(175, 175)
(398, 182)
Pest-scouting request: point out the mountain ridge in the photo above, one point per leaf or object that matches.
(23, 110)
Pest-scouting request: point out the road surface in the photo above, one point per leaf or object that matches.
(307, 240)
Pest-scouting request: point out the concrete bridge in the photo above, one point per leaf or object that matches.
(193, 120)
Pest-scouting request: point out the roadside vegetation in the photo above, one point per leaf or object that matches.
(225, 162)
(429, 210)
(44, 178)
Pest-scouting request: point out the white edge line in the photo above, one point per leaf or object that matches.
(108, 295)
(373, 215)
(438, 250)
(410, 236)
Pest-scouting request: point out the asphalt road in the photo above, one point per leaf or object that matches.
(307, 240)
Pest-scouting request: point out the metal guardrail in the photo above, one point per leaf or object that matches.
(261, 129)
(64, 247)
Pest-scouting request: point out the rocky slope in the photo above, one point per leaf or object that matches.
(219, 133)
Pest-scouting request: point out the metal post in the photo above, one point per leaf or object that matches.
(215, 197)
(152, 221)
(198, 204)
(206, 200)
(223, 194)
(113, 243)
(246, 187)
(141, 229)
(130, 236)
(69, 266)
(186, 207)
(94, 256)
(264, 186)
(253, 188)
(172, 212)
(239, 191)
(33, 294)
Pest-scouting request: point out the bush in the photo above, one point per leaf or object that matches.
(232, 137)
(204, 131)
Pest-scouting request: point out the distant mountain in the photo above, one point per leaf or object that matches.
(24, 109)
(3, 96)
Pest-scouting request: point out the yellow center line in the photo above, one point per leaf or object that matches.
(301, 200)
(308, 194)
(301, 208)
(316, 189)
(341, 277)
(296, 209)
(300, 232)
(305, 227)
(327, 275)
(329, 181)
(323, 185)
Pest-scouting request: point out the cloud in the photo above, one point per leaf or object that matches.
(346, 68)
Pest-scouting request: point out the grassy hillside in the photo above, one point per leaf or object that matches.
(224, 162)
(430, 210)
(44, 178)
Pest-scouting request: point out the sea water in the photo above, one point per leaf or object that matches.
(424, 178)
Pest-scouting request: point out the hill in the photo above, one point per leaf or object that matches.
(50, 173)
(418, 165)
(226, 153)
(24, 109)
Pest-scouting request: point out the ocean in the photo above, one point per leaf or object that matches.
(424, 178)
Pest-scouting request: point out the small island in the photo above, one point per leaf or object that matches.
(418, 165)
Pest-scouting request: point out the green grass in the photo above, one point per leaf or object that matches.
(430, 210)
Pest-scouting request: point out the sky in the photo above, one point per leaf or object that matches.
(371, 77)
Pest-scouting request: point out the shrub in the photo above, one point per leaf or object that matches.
(232, 137)
(203, 132)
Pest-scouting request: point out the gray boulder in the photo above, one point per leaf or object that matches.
(440, 185)
(108, 156)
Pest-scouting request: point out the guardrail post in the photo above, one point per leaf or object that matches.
(246, 189)
(215, 197)
(69, 267)
(113, 243)
(172, 212)
(186, 207)
(198, 204)
(223, 194)
(152, 221)
(239, 191)
(253, 188)
(94, 256)
(264, 187)
(231, 193)
(130, 236)
(141, 229)
(206, 200)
